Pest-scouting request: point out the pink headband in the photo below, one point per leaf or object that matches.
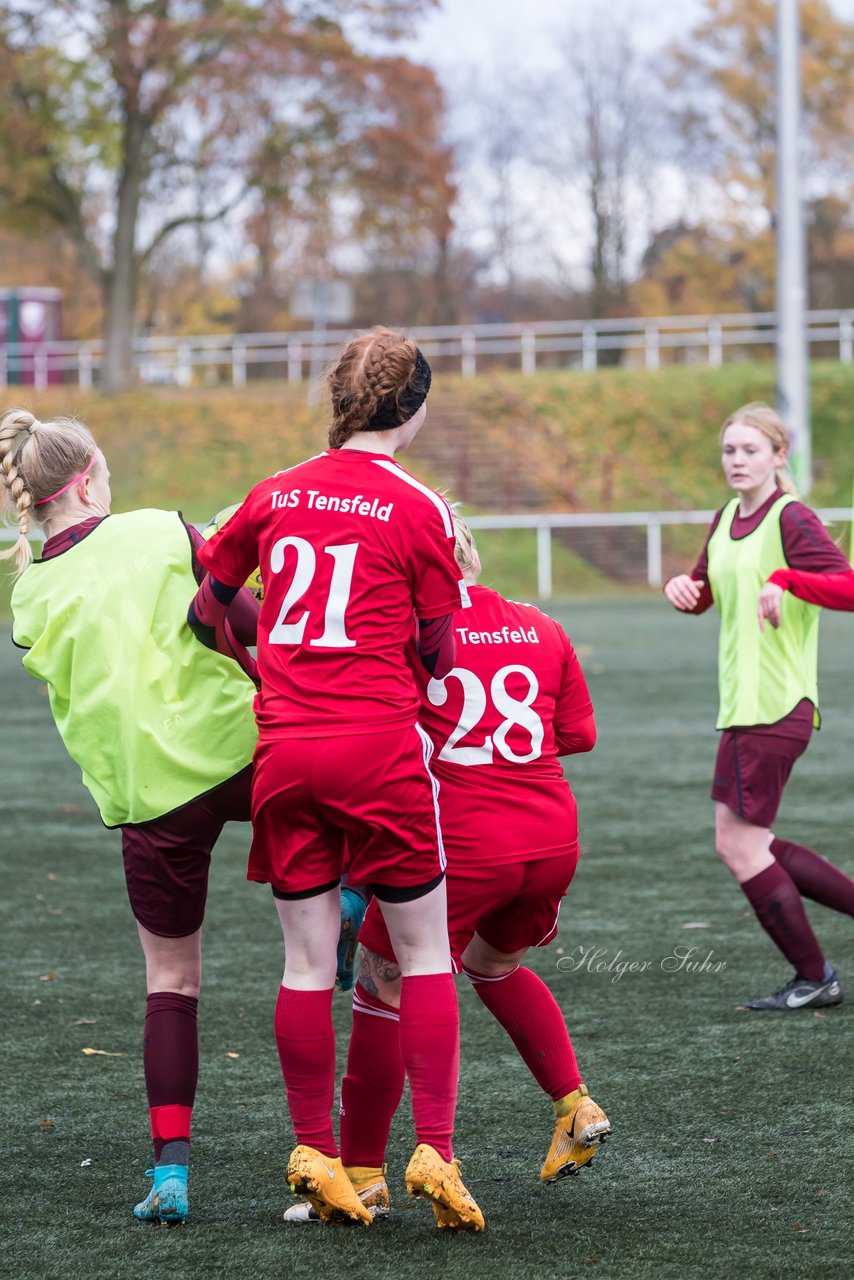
(81, 475)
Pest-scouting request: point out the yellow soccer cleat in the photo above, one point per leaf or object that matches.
(324, 1183)
(368, 1183)
(453, 1205)
(580, 1129)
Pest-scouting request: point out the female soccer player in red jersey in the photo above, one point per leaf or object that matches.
(515, 700)
(162, 730)
(349, 545)
(768, 564)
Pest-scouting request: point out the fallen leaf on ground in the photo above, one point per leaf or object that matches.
(85, 1022)
(51, 875)
(232, 1055)
(696, 924)
(84, 1164)
(102, 1053)
(46, 1124)
(49, 977)
(68, 808)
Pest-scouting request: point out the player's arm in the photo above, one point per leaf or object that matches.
(242, 613)
(574, 722)
(208, 621)
(691, 592)
(436, 644)
(816, 570)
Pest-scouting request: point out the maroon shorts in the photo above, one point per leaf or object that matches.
(511, 905)
(372, 793)
(751, 770)
(167, 860)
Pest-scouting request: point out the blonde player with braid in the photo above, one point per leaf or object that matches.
(162, 729)
(349, 547)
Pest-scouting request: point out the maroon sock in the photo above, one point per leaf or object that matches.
(815, 877)
(430, 1047)
(170, 1056)
(530, 1015)
(373, 1085)
(774, 897)
(306, 1042)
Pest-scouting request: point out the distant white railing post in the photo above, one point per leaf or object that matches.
(529, 351)
(84, 368)
(653, 554)
(589, 354)
(468, 345)
(544, 561)
(238, 365)
(716, 346)
(183, 366)
(846, 337)
(294, 362)
(650, 345)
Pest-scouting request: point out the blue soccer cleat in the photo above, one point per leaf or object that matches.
(166, 1202)
(352, 914)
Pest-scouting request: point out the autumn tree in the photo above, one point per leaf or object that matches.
(601, 120)
(722, 89)
(124, 121)
(365, 182)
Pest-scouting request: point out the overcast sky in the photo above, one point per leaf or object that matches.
(484, 31)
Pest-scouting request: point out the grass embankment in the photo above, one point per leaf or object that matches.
(633, 440)
(614, 440)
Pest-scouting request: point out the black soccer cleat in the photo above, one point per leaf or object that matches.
(801, 993)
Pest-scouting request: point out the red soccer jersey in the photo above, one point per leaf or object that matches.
(348, 544)
(496, 722)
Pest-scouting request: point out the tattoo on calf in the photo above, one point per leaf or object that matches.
(373, 967)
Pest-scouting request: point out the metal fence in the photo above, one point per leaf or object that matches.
(547, 524)
(644, 341)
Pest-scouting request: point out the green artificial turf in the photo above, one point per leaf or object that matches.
(730, 1155)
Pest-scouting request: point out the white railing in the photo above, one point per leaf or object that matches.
(577, 344)
(545, 523)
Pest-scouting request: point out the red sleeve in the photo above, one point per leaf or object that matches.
(830, 590)
(436, 578)
(437, 645)
(242, 614)
(232, 553)
(574, 725)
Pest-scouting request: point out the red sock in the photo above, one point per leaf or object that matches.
(373, 1085)
(430, 1047)
(775, 899)
(170, 1056)
(306, 1042)
(530, 1015)
(815, 877)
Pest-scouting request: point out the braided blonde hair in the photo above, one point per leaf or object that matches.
(760, 415)
(373, 367)
(36, 460)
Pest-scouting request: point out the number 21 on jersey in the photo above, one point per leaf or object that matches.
(476, 699)
(334, 634)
